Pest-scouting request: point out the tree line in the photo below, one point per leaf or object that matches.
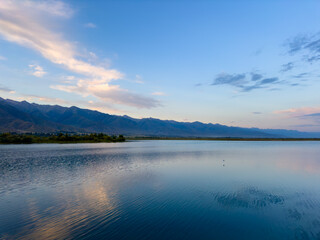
(59, 138)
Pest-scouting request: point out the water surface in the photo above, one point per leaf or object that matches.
(160, 190)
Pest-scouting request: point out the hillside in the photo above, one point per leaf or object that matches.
(30, 117)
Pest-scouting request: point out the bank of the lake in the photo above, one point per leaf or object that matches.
(8, 138)
(223, 139)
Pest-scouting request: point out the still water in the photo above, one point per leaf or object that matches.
(160, 190)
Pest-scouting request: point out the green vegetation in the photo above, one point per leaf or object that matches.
(7, 138)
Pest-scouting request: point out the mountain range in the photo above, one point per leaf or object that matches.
(25, 117)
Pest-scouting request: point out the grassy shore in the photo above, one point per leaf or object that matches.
(8, 138)
(224, 139)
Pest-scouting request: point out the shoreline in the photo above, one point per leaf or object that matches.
(224, 139)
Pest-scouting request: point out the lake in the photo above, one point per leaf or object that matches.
(161, 190)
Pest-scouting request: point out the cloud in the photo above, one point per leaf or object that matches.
(25, 22)
(30, 98)
(257, 113)
(158, 93)
(268, 80)
(230, 79)
(302, 117)
(297, 43)
(52, 7)
(2, 58)
(256, 76)
(298, 112)
(109, 93)
(246, 82)
(308, 45)
(37, 70)
(301, 75)
(287, 67)
(5, 89)
(313, 116)
(90, 25)
(250, 88)
(20, 23)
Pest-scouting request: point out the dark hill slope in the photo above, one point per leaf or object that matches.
(30, 117)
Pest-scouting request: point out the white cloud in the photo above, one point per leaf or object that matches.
(90, 25)
(37, 71)
(25, 22)
(2, 58)
(109, 93)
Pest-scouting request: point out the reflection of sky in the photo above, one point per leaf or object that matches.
(73, 207)
(140, 188)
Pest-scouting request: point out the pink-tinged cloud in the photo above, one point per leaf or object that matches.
(109, 93)
(297, 112)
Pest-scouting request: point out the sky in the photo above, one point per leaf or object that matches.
(240, 63)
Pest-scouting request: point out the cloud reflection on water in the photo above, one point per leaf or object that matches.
(87, 202)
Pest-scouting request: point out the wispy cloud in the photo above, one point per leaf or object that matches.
(287, 67)
(42, 99)
(25, 23)
(256, 76)
(308, 45)
(298, 112)
(5, 89)
(109, 93)
(21, 23)
(37, 70)
(2, 58)
(246, 82)
(303, 117)
(90, 25)
(230, 79)
(301, 75)
(315, 117)
(268, 80)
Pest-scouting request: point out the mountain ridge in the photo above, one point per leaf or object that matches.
(22, 117)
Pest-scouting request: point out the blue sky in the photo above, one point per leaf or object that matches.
(240, 63)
